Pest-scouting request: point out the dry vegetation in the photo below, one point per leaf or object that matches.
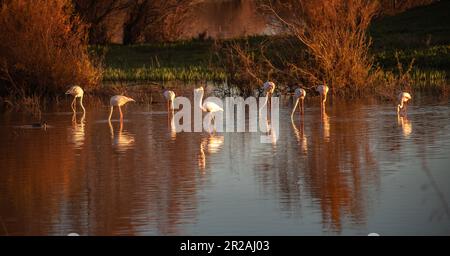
(43, 50)
(325, 41)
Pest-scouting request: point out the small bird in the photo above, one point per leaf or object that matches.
(77, 92)
(42, 125)
(323, 91)
(118, 101)
(299, 95)
(403, 99)
(169, 96)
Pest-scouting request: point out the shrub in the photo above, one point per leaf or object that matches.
(43, 49)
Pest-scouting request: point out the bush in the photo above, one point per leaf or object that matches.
(43, 49)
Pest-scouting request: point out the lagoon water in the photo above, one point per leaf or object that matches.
(356, 170)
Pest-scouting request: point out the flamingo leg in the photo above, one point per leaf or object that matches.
(110, 113)
(168, 119)
(111, 130)
(121, 114)
(321, 102)
(81, 103)
(73, 104)
(302, 108)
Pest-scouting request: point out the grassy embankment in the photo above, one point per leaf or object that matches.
(422, 34)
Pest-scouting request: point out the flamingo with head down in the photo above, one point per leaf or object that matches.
(118, 101)
(299, 96)
(77, 92)
(323, 91)
(403, 99)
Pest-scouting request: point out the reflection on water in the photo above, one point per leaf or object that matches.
(325, 125)
(354, 169)
(209, 145)
(77, 131)
(122, 141)
(405, 124)
(300, 135)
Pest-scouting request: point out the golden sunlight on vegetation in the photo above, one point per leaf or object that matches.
(43, 49)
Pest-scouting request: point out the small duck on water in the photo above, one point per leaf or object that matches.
(42, 125)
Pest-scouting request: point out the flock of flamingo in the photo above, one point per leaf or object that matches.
(208, 106)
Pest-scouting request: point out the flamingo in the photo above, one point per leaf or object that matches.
(403, 99)
(77, 92)
(269, 88)
(299, 94)
(118, 101)
(323, 91)
(208, 106)
(170, 96)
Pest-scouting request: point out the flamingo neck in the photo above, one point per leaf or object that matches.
(295, 106)
(201, 102)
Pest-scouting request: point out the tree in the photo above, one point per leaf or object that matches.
(96, 13)
(156, 20)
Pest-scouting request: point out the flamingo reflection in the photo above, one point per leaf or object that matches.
(300, 136)
(171, 124)
(272, 133)
(405, 124)
(209, 145)
(325, 124)
(122, 141)
(78, 132)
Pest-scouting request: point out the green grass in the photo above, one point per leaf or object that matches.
(188, 73)
(184, 61)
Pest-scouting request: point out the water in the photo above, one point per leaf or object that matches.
(354, 171)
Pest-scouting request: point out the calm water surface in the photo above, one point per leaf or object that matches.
(356, 170)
